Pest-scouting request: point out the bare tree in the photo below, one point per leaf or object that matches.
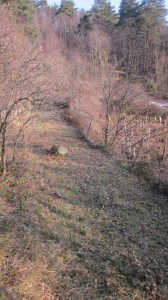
(24, 82)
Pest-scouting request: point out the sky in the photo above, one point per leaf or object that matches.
(87, 4)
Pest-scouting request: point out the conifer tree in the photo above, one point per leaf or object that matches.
(153, 12)
(128, 12)
(24, 12)
(150, 20)
(67, 7)
(105, 11)
(23, 8)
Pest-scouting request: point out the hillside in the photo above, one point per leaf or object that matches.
(91, 224)
(79, 226)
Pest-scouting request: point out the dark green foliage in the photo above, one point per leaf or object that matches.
(151, 14)
(85, 25)
(67, 7)
(53, 150)
(128, 12)
(105, 11)
(24, 11)
(143, 27)
(154, 9)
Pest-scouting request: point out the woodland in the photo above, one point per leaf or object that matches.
(90, 224)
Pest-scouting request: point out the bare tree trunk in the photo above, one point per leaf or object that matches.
(165, 147)
(106, 131)
(3, 151)
(89, 127)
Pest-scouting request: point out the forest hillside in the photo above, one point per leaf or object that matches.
(83, 151)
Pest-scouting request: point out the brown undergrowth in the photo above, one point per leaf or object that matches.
(138, 134)
(80, 226)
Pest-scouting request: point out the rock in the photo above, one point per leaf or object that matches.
(62, 151)
(58, 151)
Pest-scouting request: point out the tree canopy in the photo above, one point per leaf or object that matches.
(104, 11)
(128, 12)
(67, 7)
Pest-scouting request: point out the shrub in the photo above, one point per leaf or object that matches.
(53, 150)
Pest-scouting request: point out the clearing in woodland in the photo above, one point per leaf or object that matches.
(79, 226)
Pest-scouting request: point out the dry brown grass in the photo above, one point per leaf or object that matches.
(88, 115)
(78, 227)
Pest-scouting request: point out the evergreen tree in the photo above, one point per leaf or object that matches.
(23, 10)
(67, 7)
(128, 12)
(150, 20)
(105, 11)
(152, 12)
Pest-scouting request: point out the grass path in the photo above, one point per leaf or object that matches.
(80, 226)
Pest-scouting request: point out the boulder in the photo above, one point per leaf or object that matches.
(62, 151)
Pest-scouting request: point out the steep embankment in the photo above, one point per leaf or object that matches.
(80, 226)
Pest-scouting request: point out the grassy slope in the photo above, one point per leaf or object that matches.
(78, 227)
